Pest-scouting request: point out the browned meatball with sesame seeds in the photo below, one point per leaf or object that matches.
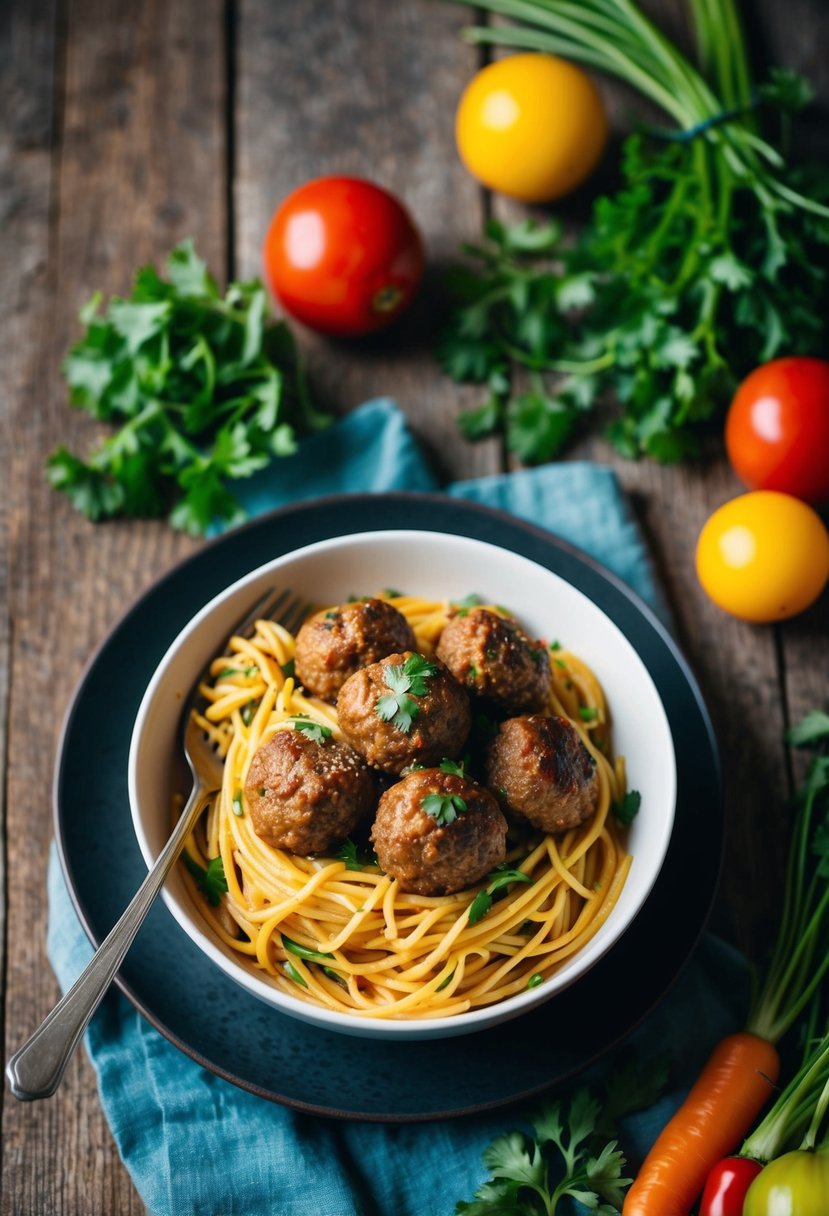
(543, 772)
(306, 793)
(493, 658)
(437, 832)
(405, 708)
(333, 644)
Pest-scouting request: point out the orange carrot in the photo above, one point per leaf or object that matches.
(740, 1075)
(731, 1090)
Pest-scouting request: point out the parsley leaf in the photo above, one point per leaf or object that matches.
(811, 729)
(314, 730)
(303, 951)
(204, 389)
(564, 1159)
(502, 876)
(211, 881)
(353, 859)
(657, 308)
(627, 808)
(397, 706)
(443, 808)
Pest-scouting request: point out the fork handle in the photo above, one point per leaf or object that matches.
(36, 1070)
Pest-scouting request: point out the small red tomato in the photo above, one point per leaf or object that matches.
(777, 429)
(343, 256)
(726, 1186)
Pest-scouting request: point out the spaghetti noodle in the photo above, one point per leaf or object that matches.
(338, 932)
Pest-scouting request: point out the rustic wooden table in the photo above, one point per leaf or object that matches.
(129, 126)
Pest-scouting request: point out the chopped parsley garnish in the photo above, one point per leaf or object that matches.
(292, 973)
(443, 808)
(502, 876)
(288, 669)
(397, 706)
(314, 730)
(535, 980)
(454, 768)
(445, 982)
(627, 809)
(555, 645)
(238, 808)
(462, 607)
(303, 951)
(349, 854)
(391, 594)
(211, 882)
(588, 713)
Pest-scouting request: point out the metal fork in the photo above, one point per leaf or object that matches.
(36, 1070)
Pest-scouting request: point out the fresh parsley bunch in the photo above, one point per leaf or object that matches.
(572, 1157)
(710, 259)
(204, 388)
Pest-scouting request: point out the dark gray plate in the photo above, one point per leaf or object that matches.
(166, 976)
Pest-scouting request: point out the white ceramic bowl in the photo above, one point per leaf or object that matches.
(439, 566)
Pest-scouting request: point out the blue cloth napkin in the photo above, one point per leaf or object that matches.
(195, 1144)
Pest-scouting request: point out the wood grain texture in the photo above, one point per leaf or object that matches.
(130, 148)
(367, 90)
(122, 124)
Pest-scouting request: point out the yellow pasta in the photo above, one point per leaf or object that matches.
(356, 944)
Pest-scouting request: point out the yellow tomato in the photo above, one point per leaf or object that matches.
(763, 556)
(531, 126)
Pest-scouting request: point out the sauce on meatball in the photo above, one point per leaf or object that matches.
(334, 643)
(437, 832)
(493, 658)
(543, 772)
(404, 709)
(305, 794)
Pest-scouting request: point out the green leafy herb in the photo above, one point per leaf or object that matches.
(314, 730)
(203, 388)
(291, 971)
(588, 713)
(502, 876)
(351, 856)
(708, 260)
(211, 881)
(463, 606)
(627, 808)
(303, 951)
(532, 1175)
(453, 767)
(397, 706)
(535, 979)
(800, 959)
(288, 669)
(810, 730)
(443, 808)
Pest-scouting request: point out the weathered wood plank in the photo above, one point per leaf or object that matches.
(368, 90)
(135, 139)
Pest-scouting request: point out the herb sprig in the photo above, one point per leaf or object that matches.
(501, 877)
(396, 706)
(572, 1154)
(203, 387)
(211, 881)
(709, 259)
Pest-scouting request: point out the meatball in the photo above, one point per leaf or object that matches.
(436, 832)
(306, 795)
(493, 657)
(543, 772)
(403, 709)
(333, 644)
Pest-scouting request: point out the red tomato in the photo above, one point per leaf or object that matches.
(343, 256)
(777, 429)
(726, 1186)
